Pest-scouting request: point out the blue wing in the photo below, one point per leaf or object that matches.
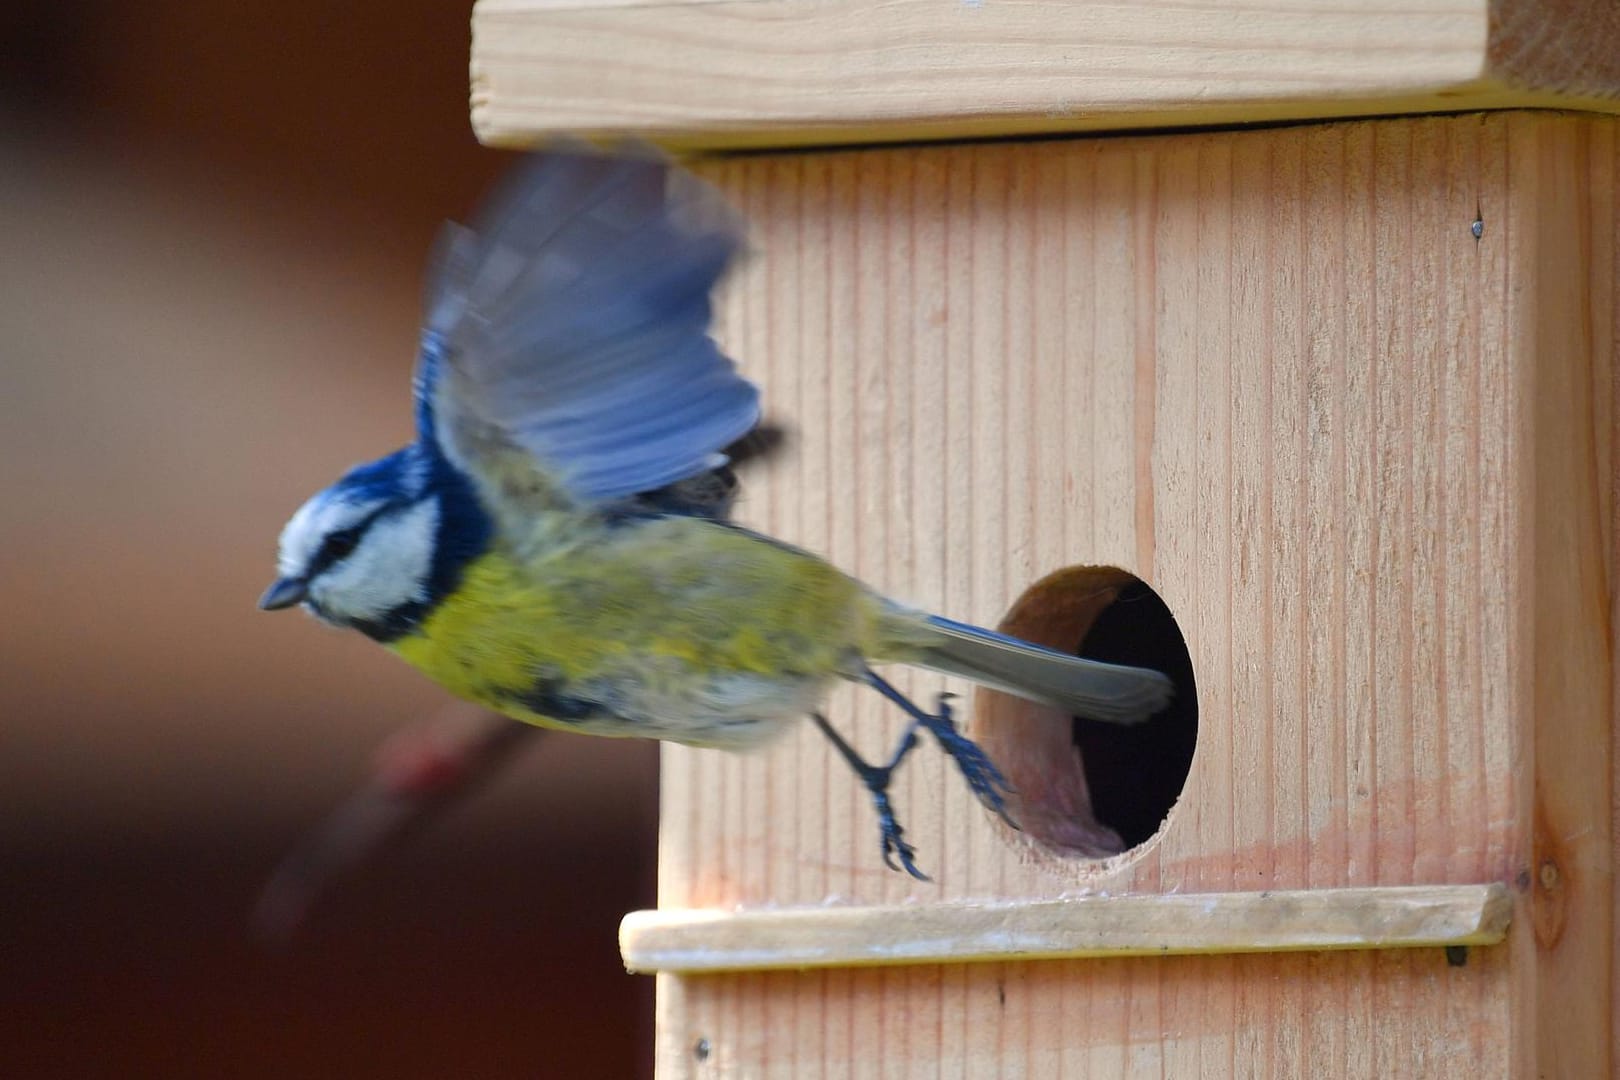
(568, 332)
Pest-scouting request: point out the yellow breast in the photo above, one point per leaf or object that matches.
(480, 642)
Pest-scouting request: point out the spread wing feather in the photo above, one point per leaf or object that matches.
(571, 324)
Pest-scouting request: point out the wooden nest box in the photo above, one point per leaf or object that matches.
(1318, 415)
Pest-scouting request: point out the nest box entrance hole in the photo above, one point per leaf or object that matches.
(1084, 787)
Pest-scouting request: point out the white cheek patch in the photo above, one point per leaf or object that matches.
(315, 520)
(389, 568)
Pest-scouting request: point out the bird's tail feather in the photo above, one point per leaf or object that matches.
(1089, 688)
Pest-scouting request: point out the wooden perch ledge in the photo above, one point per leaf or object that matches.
(1092, 926)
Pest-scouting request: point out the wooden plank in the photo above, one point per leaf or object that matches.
(1570, 801)
(1092, 926)
(1303, 401)
(719, 73)
(1253, 254)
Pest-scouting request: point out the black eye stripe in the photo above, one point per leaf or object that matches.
(340, 544)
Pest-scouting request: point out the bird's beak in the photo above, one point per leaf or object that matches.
(283, 594)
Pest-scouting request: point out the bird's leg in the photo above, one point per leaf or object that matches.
(876, 778)
(977, 769)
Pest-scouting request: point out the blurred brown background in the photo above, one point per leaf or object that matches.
(214, 219)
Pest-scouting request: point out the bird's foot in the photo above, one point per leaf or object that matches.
(876, 779)
(983, 777)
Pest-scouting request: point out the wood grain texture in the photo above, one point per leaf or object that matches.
(1182, 924)
(1364, 457)
(1569, 257)
(713, 73)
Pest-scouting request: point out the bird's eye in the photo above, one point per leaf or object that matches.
(339, 544)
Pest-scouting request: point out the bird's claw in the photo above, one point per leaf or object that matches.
(894, 842)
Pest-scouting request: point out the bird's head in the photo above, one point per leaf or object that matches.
(376, 549)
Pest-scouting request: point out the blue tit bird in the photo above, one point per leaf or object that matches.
(556, 543)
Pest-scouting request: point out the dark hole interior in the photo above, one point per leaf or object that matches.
(1136, 773)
